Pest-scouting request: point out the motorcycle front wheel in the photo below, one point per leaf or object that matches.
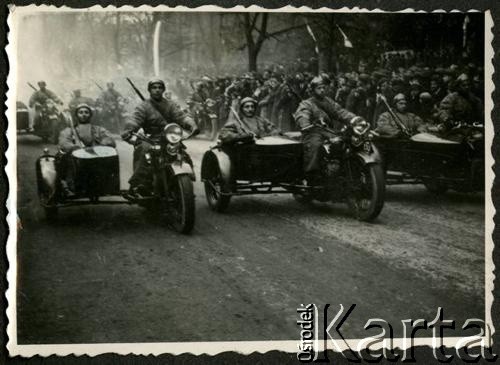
(181, 204)
(367, 190)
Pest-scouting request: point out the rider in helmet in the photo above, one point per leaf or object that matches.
(39, 100)
(318, 110)
(152, 115)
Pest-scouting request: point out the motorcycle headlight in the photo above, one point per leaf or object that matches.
(173, 133)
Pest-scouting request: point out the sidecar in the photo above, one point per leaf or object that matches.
(267, 165)
(437, 163)
(95, 174)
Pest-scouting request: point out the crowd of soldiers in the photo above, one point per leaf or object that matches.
(418, 94)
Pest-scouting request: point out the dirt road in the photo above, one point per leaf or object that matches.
(111, 274)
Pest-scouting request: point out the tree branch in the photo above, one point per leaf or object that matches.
(254, 21)
(262, 31)
(281, 31)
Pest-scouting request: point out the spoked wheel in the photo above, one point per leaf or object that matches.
(367, 190)
(217, 190)
(181, 208)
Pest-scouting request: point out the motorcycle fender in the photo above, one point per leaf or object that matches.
(47, 173)
(223, 161)
(373, 157)
(182, 168)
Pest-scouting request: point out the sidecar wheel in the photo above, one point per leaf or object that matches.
(183, 207)
(217, 190)
(435, 187)
(366, 199)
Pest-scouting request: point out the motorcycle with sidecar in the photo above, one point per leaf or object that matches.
(49, 121)
(96, 179)
(350, 165)
(452, 161)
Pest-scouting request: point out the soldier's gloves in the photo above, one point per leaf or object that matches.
(246, 138)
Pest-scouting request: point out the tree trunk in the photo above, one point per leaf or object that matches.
(116, 39)
(252, 58)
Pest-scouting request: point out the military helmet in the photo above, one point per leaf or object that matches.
(156, 81)
(399, 97)
(42, 83)
(83, 105)
(248, 100)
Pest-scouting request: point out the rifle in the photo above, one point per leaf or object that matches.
(31, 85)
(398, 121)
(78, 141)
(135, 89)
(99, 86)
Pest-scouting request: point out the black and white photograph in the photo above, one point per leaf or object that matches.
(202, 180)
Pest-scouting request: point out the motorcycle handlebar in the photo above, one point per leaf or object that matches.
(126, 136)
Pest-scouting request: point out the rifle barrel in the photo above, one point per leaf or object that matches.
(31, 85)
(136, 89)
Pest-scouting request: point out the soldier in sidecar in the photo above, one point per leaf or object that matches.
(85, 167)
(452, 157)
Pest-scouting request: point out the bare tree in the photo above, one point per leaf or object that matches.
(255, 29)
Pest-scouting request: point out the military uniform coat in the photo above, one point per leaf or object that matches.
(147, 116)
(89, 134)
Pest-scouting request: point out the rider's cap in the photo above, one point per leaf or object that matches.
(399, 97)
(83, 105)
(42, 83)
(156, 81)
